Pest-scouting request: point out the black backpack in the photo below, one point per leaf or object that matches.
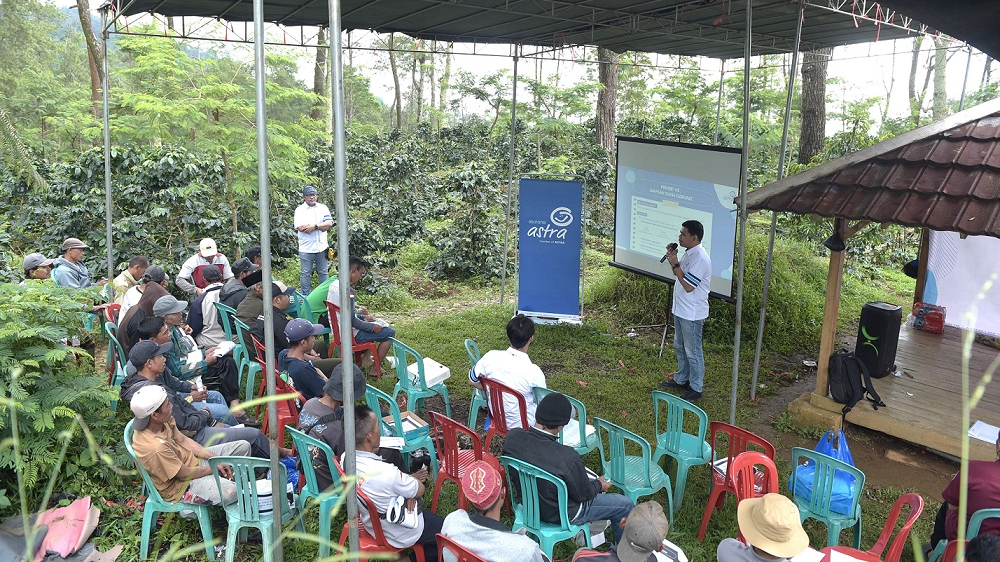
(850, 381)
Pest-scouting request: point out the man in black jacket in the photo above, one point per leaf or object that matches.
(587, 501)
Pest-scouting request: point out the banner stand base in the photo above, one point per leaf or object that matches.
(552, 318)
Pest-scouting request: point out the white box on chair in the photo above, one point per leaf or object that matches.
(434, 372)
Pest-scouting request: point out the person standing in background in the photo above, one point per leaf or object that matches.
(312, 220)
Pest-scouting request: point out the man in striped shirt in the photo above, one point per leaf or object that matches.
(694, 278)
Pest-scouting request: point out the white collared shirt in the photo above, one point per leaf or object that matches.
(315, 241)
(697, 269)
(514, 369)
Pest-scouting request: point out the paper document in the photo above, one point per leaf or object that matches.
(194, 357)
(984, 431)
(841, 557)
(224, 348)
(392, 442)
(810, 554)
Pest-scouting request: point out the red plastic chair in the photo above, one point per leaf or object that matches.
(916, 504)
(495, 392)
(454, 460)
(288, 410)
(378, 544)
(461, 553)
(951, 551)
(359, 349)
(739, 442)
(751, 482)
(112, 312)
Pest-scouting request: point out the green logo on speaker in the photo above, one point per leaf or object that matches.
(868, 340)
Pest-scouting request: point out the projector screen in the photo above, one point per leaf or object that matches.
(662, 184)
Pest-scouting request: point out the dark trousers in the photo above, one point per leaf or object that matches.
(937, 534)
(223, 376)
(259, 446)
(432, 526)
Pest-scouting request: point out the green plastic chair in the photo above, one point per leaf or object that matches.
(479, 401)
(415, 439)
(972, 532)
(245, 511)
(116, 360)
(226, 316)
(328, 499)
(688, 449)
(817, 504)
(586, 444)
(416, 391)
(635, 475)
(526, 507)
(155, 504)
(246, 362)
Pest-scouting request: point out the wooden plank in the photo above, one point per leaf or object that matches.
(922, 256)
(828, 337)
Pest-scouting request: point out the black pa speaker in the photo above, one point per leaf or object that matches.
(878, 335)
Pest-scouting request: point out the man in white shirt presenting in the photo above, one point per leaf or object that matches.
(513, 368)
(312, 220)
(694, 278)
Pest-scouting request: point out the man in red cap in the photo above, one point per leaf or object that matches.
(480, 529)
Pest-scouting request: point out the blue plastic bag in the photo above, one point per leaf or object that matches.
(833, 444)
(293, 473)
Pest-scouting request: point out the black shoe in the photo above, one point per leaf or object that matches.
(674, 385)
(691, 394)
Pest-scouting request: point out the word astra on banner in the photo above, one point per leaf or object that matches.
(561, 217)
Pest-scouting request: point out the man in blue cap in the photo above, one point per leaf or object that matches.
(312, 220)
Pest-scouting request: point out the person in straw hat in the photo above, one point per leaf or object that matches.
(772, 528)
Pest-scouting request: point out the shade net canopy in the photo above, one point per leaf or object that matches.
(711, 28)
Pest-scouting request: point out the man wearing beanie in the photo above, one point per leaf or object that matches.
(480, 529)
(588, 500)
(771, 526)
(645, 532)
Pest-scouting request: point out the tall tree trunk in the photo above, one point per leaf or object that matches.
(421, 58)
(939, 108)
(433, 88)
(917, 96)
(986, 71)
(319, 79)
(414, 89)
(445, 80)
(607, 71)
(813, 135)
(397, 104)
(93, 56)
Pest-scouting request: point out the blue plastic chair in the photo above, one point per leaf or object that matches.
(245, 511)
(972, 532)
(328, 499)
(688, 449)
(416, 391)
(816, 501)
(155, 504)
(247, 357)
(116, 360)
(589, 440)
(635, 475)
(419, 438)
(526, 507)
(479, 401)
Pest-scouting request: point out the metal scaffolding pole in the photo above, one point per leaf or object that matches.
(264, 204)
(510, 181)
(965, 80)
(743, 211)
(343, 261)
(774, 215)
(718, 104)
(107, 149)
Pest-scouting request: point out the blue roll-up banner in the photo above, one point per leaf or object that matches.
(550, 234)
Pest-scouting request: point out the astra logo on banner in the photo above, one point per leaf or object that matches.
(560, 217)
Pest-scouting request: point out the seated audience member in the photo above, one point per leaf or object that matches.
(206, 326)
(234, 291)
(128, 322)
(645, 530)
(983, 548)
(383, 482)
(128, 278)
(176, 463)
(253, 254)
(155, 330)
(154, 274)
(588, 499)
(280, 301)
(69, 270)
(191, 277)
(771, 526)
(253, 303)
(301, 362)
(513, 368)
(36, 266)
(366, 327)
(185, 359)
(983, 493)
(323, 418)
(146, 367)
(480, 529)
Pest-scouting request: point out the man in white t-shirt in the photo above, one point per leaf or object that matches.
(513, 368)
(312, 220)
(383, 482)
(694, 278)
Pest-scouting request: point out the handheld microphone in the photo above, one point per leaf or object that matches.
(670, 248)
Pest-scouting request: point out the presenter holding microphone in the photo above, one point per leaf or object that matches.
(694, 277)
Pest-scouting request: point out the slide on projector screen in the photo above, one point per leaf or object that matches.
(662, 184)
